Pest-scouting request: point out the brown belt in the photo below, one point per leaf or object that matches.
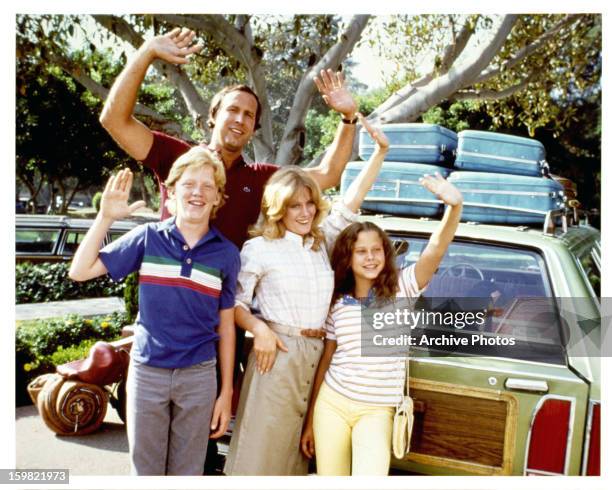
(295, 331)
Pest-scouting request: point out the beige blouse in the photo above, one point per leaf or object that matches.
(292, 283)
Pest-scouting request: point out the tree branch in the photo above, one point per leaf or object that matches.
(527, 50)
(485, 94)
(450, 55)
(400, 96)
(55, 57)
(195, 105)
(454, 50)
(457, 78)
(289, 151)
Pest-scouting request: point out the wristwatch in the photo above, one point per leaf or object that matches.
(350, 121)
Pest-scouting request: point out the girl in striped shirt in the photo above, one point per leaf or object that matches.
(350, 415)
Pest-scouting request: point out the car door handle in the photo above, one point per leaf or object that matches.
(536, 385)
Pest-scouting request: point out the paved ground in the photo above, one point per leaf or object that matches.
(102, 453)
(83, 307)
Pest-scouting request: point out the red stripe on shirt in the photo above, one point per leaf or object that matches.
(181, 283)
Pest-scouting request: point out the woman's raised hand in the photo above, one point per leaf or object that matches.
(376, 133)
(442, 188)
(114, 204)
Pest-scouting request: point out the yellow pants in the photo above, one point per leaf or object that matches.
(351, 438)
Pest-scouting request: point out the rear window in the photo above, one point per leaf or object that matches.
(35, 241)
(511, 285)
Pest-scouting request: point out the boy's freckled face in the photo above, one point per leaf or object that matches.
(196, 193)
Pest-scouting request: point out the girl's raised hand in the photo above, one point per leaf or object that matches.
(114, 204)
(376, 133)
(442, 188)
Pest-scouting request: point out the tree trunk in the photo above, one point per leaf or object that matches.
(456, 78)
(292, 143)
(144, 195)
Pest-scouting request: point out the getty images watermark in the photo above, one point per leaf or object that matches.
(538, 329)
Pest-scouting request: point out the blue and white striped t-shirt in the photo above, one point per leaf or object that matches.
(373, 380)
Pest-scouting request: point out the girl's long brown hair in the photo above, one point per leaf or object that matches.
(385, 285)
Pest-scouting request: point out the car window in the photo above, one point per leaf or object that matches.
(73, 239)
(115, 234)
(590, 263)
(35, 241)
(510, 284)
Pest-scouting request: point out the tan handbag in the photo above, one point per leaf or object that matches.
(403, 421)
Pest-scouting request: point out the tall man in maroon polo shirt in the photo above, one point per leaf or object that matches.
(233, 116)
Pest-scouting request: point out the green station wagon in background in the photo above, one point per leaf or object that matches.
(504, 414)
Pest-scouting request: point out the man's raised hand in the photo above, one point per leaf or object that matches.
(335, 94)
(114, 204)
(175, 46)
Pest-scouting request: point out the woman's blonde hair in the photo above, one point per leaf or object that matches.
(198, 156)
(279, 190)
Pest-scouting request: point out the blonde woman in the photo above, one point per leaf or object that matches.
(286, 268)
(186, 304)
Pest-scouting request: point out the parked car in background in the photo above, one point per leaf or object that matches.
(43, 238)
(509, 414)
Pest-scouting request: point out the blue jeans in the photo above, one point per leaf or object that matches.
(168, 417)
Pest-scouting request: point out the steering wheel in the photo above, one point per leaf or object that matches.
(462, 271)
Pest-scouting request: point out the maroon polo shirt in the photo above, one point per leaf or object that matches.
(244, 186)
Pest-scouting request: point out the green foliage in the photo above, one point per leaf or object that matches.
(39, 283)
(320, 131)
(95, 201)
(458, 116)
(74, 352)
(45, 344)
(130, 297)
(46, 336)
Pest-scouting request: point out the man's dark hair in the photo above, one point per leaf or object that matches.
(218, 98)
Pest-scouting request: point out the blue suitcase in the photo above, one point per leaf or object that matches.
(397, 189)
(485, 151)
(413, 142)
(508, 199)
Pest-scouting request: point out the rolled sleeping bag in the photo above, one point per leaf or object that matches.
(72, 408)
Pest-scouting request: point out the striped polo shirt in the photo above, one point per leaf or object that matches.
(373, 380)
(181, 290)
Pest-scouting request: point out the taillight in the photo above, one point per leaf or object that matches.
(593, 441)
(549, 437)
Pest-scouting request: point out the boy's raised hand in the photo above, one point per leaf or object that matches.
(114, 204)
(375, 132)
(335, 94)
(442, 188)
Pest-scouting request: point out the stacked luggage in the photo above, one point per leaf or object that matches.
(503, 178)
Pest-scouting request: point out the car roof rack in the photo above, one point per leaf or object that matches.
(568, 216)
